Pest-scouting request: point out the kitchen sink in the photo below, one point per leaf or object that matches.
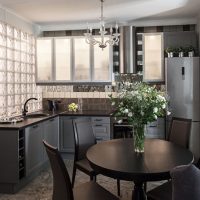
(37, 115)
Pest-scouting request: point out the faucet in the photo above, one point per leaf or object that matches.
(24, 111)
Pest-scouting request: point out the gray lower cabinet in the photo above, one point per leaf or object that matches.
(156, 129)
(51, 133)
(9, 154)
(101, 128)
(36, 155)
(67, 133)
(12, 154)
(22, 153)
(34, 147)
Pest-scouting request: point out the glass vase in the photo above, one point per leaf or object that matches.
(139, 138)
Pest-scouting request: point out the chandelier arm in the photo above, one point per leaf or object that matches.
(113, 38)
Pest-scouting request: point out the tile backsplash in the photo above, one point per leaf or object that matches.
(74, 91)
(87, 103)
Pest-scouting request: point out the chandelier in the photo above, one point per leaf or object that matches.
(113, 37)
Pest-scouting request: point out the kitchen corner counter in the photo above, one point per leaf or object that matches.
(32, 121)
(103, 113)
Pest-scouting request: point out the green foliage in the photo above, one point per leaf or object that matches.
(139, 103)
(180, 49)
(189, 48)
(169, 50)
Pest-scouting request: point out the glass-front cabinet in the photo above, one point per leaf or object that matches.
(62, 59)
(72, 60)
(44, 59)
(153, 57)
(81, 60)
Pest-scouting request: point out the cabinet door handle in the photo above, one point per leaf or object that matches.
(153, 125)
(51, 120)
(98, 125)
(98, 120)
(35, 126)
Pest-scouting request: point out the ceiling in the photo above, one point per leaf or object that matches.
(49, 12)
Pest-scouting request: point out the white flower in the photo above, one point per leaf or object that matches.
(168, 113)
(113, 103)
(160, 97)
(130, 114)
(155, 110)
(119, 121)
(142, 113)
(164, 106)
(126, 110)
(155, 117)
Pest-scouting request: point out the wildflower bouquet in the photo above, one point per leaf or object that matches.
(140, 104)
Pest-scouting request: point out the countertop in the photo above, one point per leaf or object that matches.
(31, 121)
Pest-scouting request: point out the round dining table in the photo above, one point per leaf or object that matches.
(117, 159)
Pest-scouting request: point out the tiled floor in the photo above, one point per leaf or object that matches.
(41, 187)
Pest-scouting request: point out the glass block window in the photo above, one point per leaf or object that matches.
(17, 71)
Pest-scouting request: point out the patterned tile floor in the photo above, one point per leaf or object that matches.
(41, 187)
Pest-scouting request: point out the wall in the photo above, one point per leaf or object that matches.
(17, 21)
(198, 30)
(17, 69)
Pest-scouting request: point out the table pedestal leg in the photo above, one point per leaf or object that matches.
(138, 192)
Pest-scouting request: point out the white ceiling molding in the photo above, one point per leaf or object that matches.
(163, 22)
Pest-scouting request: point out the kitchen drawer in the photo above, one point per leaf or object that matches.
(102, 120)
(101, 130)
(101, 139)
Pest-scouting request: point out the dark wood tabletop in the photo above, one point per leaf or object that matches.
(117, 159)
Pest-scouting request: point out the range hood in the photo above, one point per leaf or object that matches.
(128, 49)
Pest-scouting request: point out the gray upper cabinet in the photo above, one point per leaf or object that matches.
(34, 148)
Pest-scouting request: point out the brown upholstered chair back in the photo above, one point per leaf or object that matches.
(62, 189)
(83, 136)
(180, 131)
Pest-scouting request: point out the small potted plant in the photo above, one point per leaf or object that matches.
(170, 52)
(180, 51)
(190, 51)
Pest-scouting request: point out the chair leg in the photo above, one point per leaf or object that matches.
(118, 187)
(73, 175)
(93, 178)
(145, 186)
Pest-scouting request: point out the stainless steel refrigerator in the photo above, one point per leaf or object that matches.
(182, 76)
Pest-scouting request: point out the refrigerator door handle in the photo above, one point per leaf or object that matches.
(183, 71)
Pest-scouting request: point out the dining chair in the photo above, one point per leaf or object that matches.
(179, 132)
(84, 138)
(164, 191)
(62, 188)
